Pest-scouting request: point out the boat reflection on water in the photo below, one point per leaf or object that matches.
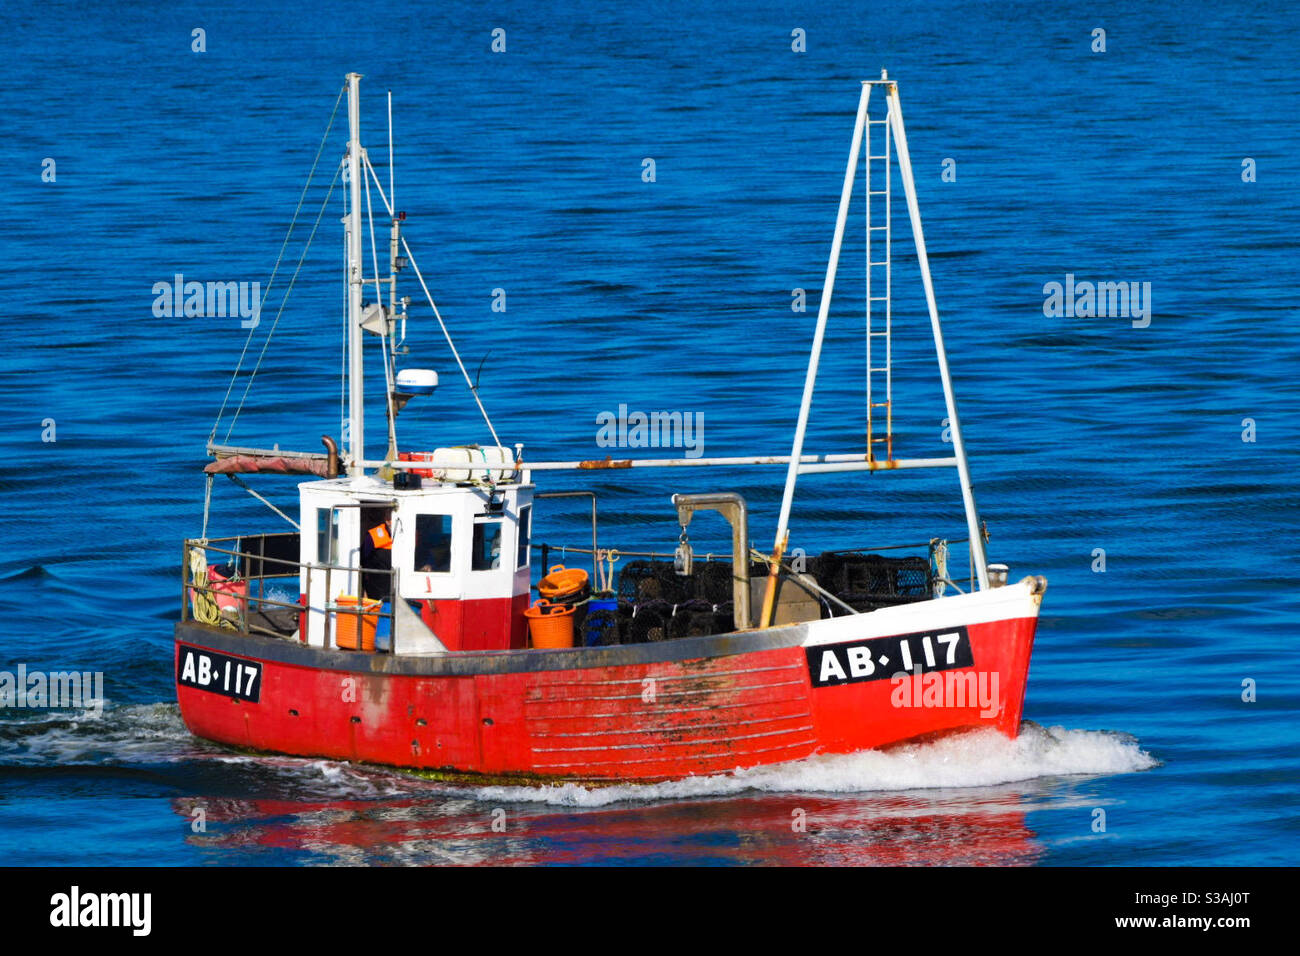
(918, 828)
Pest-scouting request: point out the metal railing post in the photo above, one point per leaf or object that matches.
(185, 581)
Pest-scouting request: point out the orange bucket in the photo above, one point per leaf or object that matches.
(550, 625)
(345, 623)
(562, 582)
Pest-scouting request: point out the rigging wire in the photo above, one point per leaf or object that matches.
(271, 281)
(374, 252)
(239, 481)
(284, 301)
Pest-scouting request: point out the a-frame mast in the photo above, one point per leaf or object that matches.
(796, 467)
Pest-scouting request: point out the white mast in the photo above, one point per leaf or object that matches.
(810, 379)
(958, 445)
(356, 390)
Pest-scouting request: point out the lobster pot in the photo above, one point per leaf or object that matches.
(913, 579)
(870, 581)
(626, 610)
(693, 619)
(713, 581)
(868, 574)
(651, 623)
(630, 578)
(828, 569)
(602, 625)
(641, 582)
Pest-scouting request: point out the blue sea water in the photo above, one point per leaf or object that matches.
(523, 171)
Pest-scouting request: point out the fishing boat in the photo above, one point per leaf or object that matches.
(414, 641)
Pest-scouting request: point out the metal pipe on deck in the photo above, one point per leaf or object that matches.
(807, 463)
(732, 507)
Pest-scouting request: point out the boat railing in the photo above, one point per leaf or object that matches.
(245, 592)
(936, 549)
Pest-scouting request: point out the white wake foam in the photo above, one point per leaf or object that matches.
(977, 759)
(119, 734)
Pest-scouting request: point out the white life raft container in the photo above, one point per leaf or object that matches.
(473, 463)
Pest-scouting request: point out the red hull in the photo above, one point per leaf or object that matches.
(645, 712)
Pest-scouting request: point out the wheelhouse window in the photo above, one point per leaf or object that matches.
(432, 554)
(327, 535)
(487, 545)
(525, 529)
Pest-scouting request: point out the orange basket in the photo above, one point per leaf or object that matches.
(345, 623)
(562, 582)
(550, 625)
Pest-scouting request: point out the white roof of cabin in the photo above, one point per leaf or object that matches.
(369, 486)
